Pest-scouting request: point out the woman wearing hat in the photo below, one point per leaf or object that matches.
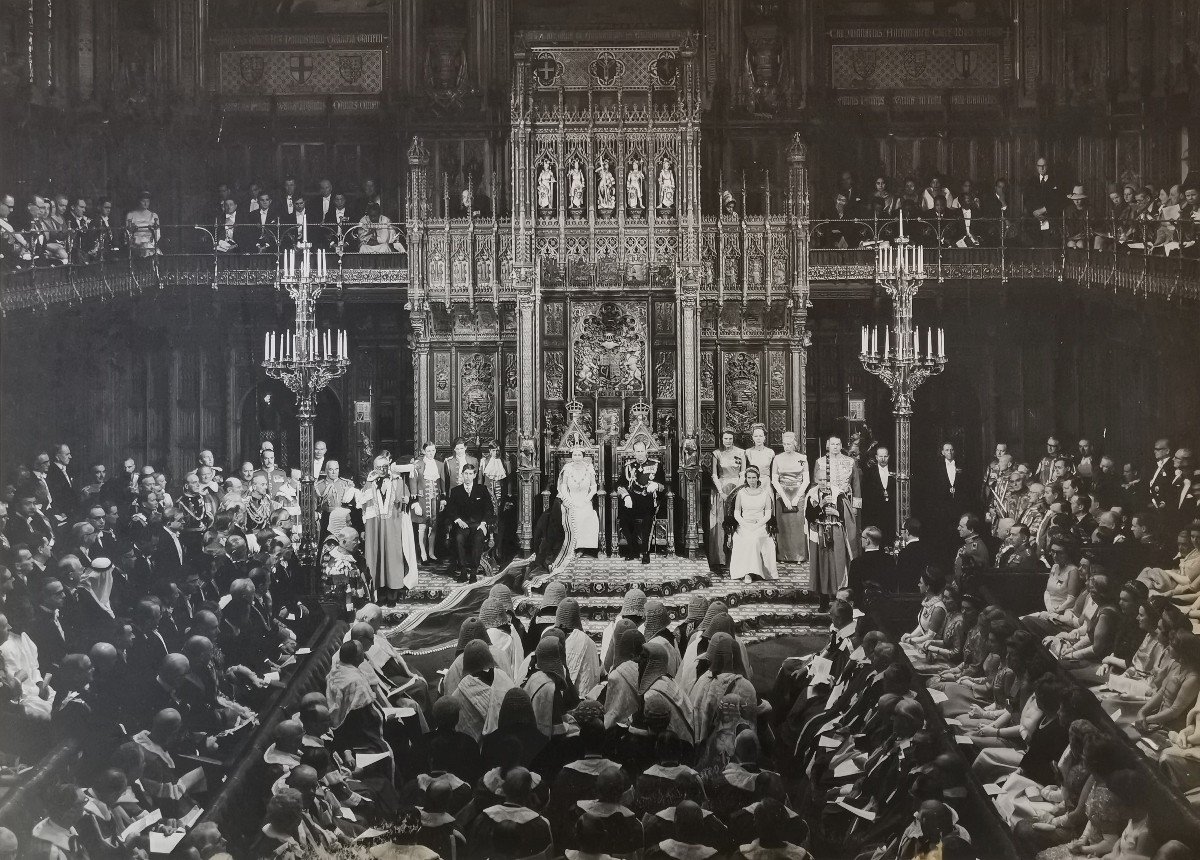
(1075, 218)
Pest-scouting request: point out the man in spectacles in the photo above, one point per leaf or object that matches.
(1162, 475)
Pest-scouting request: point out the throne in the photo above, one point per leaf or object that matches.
(662, 536)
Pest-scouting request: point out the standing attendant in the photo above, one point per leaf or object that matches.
(428, 476)
(728, 473)
(470, 513)
(789, 477)
(758, 454)
(391, 555)
(452, 476)
(879, 495)
(830, 510)
(949, 492)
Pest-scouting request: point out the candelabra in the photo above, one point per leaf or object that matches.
(306, 360)
(900, 270)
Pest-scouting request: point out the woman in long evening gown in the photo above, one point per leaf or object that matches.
(753, 553)
(758, 454)
(428, 493)
(576, 489)
(728, 473)
(789, 477)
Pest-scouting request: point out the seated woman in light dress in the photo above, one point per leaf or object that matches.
(753, 553)
(576, 489)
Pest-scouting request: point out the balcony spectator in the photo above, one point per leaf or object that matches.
(143, 228)
(376, 233)
(1077, 228)
(932, 192)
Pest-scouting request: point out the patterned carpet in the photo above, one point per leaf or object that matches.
(427, 621)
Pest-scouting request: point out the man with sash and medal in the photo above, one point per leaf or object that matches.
(334, 493)
(831, 510)
(641, 482)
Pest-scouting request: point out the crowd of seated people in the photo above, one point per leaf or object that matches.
(57, 229)
(1140, 218)
(1115, 634)
(146, 625)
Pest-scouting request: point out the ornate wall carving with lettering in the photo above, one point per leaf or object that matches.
(915, 66)
(299, 72)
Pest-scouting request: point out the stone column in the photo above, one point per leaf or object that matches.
(528, 374)
(688, 299)
(408, 51)
(798, 338)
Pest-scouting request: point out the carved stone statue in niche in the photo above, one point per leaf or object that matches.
(545, 186)
(666, 185)
(606, 188)
(575, 187)
(635, 186)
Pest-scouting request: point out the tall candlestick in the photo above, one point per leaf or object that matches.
(887, 340)
(864, 341)
(929, 342)
(902, 222)
(941, 343)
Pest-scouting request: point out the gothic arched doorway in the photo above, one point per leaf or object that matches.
(269, 413)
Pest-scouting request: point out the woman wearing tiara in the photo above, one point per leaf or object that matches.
(753, 553)
(728, 473)
(576, 489)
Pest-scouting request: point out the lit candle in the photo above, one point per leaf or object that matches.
(864, 341)
(267, 346)
(916, 343)
(929, 342)
(941, 343)
(874, 339)
(887, 340)
(901, 222)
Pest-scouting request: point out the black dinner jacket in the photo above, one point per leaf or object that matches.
(940, 481)
(872, 486)
(474, 508)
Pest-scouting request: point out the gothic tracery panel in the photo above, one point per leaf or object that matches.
(477, 397)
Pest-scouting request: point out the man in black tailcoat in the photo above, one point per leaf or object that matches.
(470, 513)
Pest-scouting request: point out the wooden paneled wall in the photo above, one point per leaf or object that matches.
(1025, 361)
(161, 378)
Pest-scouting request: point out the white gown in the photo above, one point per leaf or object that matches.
(576, 488)
(753, 551)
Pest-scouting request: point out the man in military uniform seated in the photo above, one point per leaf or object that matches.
(641, 482)
(1018, 551)
(973, 554)
(470, 513)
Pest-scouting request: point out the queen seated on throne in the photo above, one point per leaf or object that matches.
(576, 490)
